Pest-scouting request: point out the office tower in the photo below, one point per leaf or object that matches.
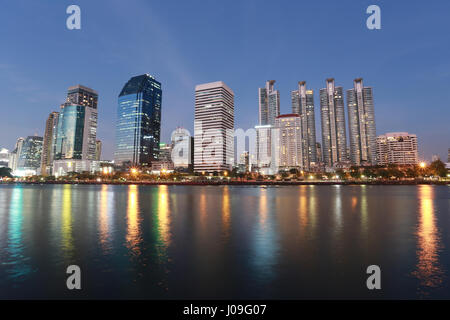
(244, 163)
(83, 96)
(77, 125)
(269, 103)
(51, 126)
(98, 150)
(289, 141)
(138, 124)
(183, 149)
(361, 124)
(448, 156)
(303, 105)
(15, 154)
(334, 143)
(29, 159)
(213, 127)
(4, 157)
(165, 152)
(397, 148)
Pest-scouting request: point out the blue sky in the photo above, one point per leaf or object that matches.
(242, 42)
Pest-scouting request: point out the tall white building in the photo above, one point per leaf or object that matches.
(15, 154)
(213, 127)
(289, 146)
(361, 124)
(397, 148)
(182, 151)
(269, 103)
(4, 157)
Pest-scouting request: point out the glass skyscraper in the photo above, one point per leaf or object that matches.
(77, 125)
(138, 124)
(30, 156)
(269, 103)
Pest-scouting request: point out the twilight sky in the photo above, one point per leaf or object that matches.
(242, 42)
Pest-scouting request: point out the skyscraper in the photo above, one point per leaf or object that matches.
(51, 126)
(213, 127)
(4, 157)
(77, 125)
(269, 103)
(290, 141)
(361, 124)
(334, 141)
(397, 148)
(138, 124)
(303, 105)
(30, 156)
(183, 149)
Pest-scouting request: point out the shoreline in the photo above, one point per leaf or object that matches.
(236, 183)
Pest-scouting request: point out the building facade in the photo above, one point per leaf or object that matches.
(397, 148)
(303, 105)
(213, 127)
(289, 146)
(98, 150)
(76, 134)
(51, 126)
(183, 149)
(15, 154)
(361, 124)
(29, 160)
(138, 125)
(269, 104)
(334, 141)
(4, 157)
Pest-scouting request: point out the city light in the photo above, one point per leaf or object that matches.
(134, 171)
(423, 164)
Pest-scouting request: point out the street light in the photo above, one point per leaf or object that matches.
(423, 164)
(134, 171)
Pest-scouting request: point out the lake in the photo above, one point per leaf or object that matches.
(224, 242)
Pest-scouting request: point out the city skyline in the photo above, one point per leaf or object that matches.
(384, 59)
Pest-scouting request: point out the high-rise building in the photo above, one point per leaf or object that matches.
(77, 126)
(4, 157)
(289, 141)
(98, 150)
(269, 103)
(51, 126)
(303, 105)
(83, 96)
(29, 160)
(448, 156)
(15, 154)
(397, 148)
(138, 124)
(265, 153)
(183, 149)
(361, 124)
(334, 141)
(213, 127)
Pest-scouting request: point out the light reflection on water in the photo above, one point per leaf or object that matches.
(246, 242)
(429, 270)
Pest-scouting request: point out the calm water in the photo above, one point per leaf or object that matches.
(284, 242)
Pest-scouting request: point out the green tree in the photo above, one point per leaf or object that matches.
(5, 172)
(437, 168)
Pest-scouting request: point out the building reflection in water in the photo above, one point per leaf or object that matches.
(163, 216)
(303, 208)
(226, 220)
(133, 236)
(265, 240)
(428, 269)
(66, 223)
(105, 215)
(15, 249)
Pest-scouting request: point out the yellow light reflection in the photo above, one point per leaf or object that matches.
(133, 229)
(302, 207)
(428, 270)
(163, 214)
(66, 226)
(103, 217)
(226, 212)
